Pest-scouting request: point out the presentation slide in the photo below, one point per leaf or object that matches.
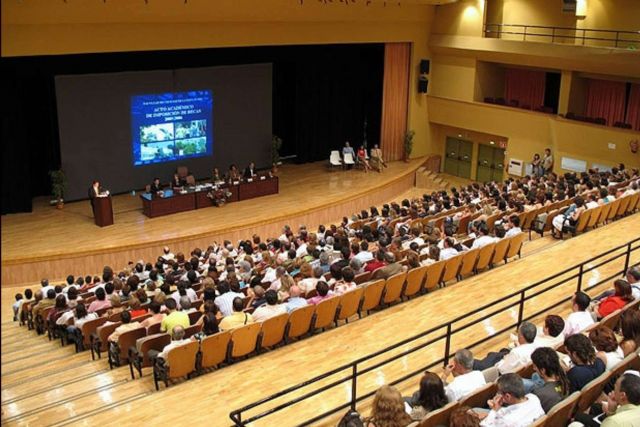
(171, 126)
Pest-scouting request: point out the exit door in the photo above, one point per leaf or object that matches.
(457, 159)
(490, 163)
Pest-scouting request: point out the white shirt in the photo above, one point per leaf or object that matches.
(364, 256)
(464, 385)
(225, 302)
(302, 250)
(517, 358)
(267, 311)
(482, 241)
(171, 346)
(448, 253)
(543, 340)
(307, 284)
(269, 275)
(577, 322)
(418, 240)
(614, 358)
(512, 232)
(592, 204)
(519, 415)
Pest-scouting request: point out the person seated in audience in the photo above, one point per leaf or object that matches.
(346, 284)
(511, 361)
(364, 255)
(464, 416)
(413, 260)
(356, 265)
(623, 404)
(286, 282)
(568, 218)
(551, 334)
(580, 318)
(513, 226)
(136, 309)
(607, 348)
(391, 268)
(177, 339)
(178, 182)
(236, 319)
(549, 383)
(376, 263)
(630, 328)
(47, 302)
(376, 158)
(271, 309)
(156, 315)
(430, 397)
(511, 406)
(73, 298)
(126, 326)
(16, 305)
(225, 300)
(466, 380)
(586, 366)
(323, 293)
(448, 250)
(100, 302)
(362, 158)
(483, 238)
(295, 300)
(28, 299)
(59, 308)
(618, 300)
(592, 201)
(209, 320)
(174, 318)
(388, 409)
(258, 297)
(116, 306)
(80, 317)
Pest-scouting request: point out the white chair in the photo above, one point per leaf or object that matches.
(334, 158)
(348, 159)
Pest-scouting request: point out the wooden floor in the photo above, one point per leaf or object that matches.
(59, 241)
(43, 384)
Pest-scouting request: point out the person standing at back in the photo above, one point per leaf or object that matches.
(547, 161)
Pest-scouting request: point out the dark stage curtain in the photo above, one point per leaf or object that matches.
(322, 96)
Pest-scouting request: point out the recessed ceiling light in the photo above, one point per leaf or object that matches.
(492, 142)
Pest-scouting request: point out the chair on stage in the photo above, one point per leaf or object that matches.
(334, 158)
(349, 160)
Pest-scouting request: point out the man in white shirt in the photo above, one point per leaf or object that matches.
(225, 300)
(551, 334)
(415, 232)
(168, 255)
(177, 340)
(465, 380)
(580, 319)
(520, 355)
(484, 238)
(364, 255)
(510, 406)
(449, 251)
(513, 226)
(270, 309)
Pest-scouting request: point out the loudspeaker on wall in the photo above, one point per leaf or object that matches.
(424, 66)
(423, 84)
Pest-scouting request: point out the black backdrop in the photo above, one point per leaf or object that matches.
(321, 97)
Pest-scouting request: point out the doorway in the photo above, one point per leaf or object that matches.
(490, 163)
(457, 159)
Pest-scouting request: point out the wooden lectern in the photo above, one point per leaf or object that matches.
(102, 211)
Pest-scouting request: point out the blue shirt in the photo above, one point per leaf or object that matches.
(294, 303)
(348, 150)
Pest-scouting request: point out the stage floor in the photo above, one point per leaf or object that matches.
(53, 241)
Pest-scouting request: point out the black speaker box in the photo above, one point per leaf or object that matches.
(423, 84)
(424, 66)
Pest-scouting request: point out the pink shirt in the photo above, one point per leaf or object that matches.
(97, 305)
(317, 299)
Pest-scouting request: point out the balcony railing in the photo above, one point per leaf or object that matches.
(565, 35)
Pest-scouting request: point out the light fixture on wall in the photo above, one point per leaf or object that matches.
(581, 8)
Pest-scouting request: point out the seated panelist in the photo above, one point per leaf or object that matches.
(250, 171)
(156, 187)
(178, 182)
(234, 174)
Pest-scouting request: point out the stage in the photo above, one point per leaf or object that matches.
(52, 243)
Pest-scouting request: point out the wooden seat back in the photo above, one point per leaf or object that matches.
(194, 316)
(273, 329)
(325, 312)
(141, 318)
(595, 216)
(192, 330)
(90, 327)
(468, 263)
(633, 203)
(560, 413)
(500, 251)
(154, 329)
(478, 399)
(451, 268)
(300, 321)
(393, 288)
(214, 349)
(372, 295)
(103, 333)
(349, 303)
(611, 320)
(624, 203)
(604, 213)
(128, 339)
(182, 359)
(592, 391)
(613, 211)
(515, 245)
(433, 275)
(157, 342)
(439, 417)
(583, 220)
(415, 277)
(244, 339)
(362, 277)
(484, 256)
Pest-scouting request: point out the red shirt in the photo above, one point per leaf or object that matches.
(610, 304)
(374, 265)
(138, 313)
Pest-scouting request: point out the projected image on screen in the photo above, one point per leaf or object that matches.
(171, 126)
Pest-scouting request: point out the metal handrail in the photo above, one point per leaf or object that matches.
(582, 268)
(498, 29)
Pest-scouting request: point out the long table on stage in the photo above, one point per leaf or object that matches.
(196, 198)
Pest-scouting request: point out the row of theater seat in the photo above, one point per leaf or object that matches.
(579, 401)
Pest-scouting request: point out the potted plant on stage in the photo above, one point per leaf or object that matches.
(408, 144)
(276, 144)
(58, 186)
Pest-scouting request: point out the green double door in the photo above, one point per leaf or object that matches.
(490, 163)
(458, 156)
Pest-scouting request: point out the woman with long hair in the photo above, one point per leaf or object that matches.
(431, 396)
(209, 320)
(388, 409)
(606, 344)
(556, 384)
(586, 366)
(630, 328)
(616, 301)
